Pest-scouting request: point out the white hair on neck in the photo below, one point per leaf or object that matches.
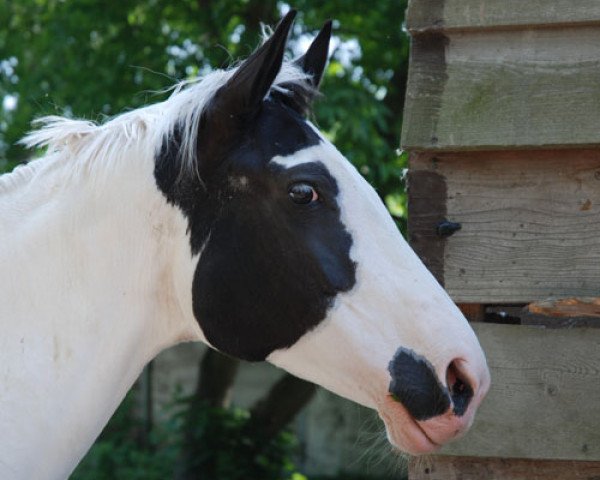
(148, 127)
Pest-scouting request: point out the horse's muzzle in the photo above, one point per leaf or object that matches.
(422, 412)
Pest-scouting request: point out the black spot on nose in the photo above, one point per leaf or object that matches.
(416, 386)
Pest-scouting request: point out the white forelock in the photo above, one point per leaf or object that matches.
(146, 127)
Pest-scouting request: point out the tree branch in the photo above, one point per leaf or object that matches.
(281, 404)
(215, 379)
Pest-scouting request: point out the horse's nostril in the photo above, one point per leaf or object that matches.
(459, 387)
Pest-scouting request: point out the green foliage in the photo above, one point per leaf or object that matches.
(226, 444)
(119, 452)
(221, 444)
(90, 58)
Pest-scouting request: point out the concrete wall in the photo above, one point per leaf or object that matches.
(335, 435)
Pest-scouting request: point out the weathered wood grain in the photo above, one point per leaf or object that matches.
(469, 468)
(567, 307)
(544, 401)
(503, 90)
(426, 209)
(520, 315)
(530, 223)
(473, 14)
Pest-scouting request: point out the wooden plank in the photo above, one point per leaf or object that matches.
(520, 315)
(503, 90)
(470, 468)
(530, 223)
(560, 322)
(567, 307)
(544, 401)
(448, 15)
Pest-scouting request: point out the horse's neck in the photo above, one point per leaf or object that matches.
(87, 298)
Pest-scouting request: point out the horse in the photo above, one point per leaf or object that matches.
(220, 215)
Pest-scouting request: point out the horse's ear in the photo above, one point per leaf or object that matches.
(312, 63)
(236, 102)
(251, 82)
(314, 60)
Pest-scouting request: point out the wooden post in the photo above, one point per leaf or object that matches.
(475, 312)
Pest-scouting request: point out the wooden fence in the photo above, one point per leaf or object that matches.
(502, 123)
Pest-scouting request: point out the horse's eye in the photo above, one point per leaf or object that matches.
(303, 193)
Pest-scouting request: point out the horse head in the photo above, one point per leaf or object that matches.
(295, 260)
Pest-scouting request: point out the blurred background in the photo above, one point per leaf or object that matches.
(194, 413)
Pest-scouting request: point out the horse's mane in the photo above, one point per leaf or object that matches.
(148, 127)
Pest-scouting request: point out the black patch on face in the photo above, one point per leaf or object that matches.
(269, 268)
(416, 386)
